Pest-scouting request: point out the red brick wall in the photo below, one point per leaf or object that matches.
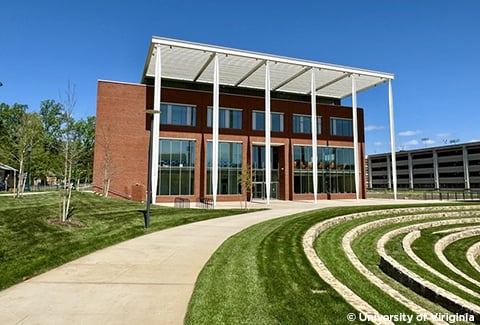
(122, 133)
(121, 117)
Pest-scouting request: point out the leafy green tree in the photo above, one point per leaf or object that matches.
(49, 162)
(51, 141)
(20, 134)
(10, 116)
(84, 139)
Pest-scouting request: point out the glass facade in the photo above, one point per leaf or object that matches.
(258, 121)
(341, 127)
(176, 171)
(303, 124)
(228, 118)
(177, 157)
(229, 167)
(177, 114)
(259, 172)
(335, 170)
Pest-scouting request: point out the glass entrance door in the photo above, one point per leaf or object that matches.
(258, 173)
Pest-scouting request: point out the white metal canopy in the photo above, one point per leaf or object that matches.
(194, 62)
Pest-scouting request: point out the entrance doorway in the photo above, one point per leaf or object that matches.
(258, 172)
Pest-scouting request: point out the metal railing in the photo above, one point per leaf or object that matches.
(452, 195)
(181, 202)
(204, 203)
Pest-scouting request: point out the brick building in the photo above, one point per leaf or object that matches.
(214, 110)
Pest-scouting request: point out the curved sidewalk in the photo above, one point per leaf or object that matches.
(146, 280)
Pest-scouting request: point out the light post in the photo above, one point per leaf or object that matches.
(151, 112)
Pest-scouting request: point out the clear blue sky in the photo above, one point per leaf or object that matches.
(432, 47)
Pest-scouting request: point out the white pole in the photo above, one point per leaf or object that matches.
(370, 178)
(314, 135)
(268, 119)
(392, 139)
(410, 170)
(215, 119)
(436, 175)
(355, 137)
(156, 122)
(466, 167)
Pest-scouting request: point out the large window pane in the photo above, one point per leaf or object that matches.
(176, 114)
(303, 124)
(229, 167)
(335, 170)
(227, 118)
(341, 127)
(258, 121)
(176, 167)
(277, 122)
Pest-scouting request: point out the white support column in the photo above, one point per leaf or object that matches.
(370, 177)
(466, 168)
(410, 171)
(215, 119)
(389, 173)
(314, 134)
(436, 175)
(268, 122)
(392, 139)
(157, 99)
(355, 138)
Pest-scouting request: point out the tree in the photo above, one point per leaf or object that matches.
(84, 138)
(70, 151)
(10, 116)
(108, 167)
(245, 180)
(49, 162)
(20, 134)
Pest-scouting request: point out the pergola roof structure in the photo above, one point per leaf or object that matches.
(193, 62)
(220, 66)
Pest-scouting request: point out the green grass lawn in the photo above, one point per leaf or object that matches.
(262, 276)
(456, 253)
(31, 244)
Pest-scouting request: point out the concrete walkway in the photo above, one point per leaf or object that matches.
(146, 280)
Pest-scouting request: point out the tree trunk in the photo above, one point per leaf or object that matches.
(65, 185)
(69, 189)
(20, 180)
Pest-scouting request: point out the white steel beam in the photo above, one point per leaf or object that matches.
(288, 80)
(355, 137)
(331, 82)
(314, 134)
(249, 73)
(392, 139)
(268, 122)
(205, 66)
(157, 99)
(215, 121)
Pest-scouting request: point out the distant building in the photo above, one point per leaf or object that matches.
(446, 167)
(10, 172)
(211, 110)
